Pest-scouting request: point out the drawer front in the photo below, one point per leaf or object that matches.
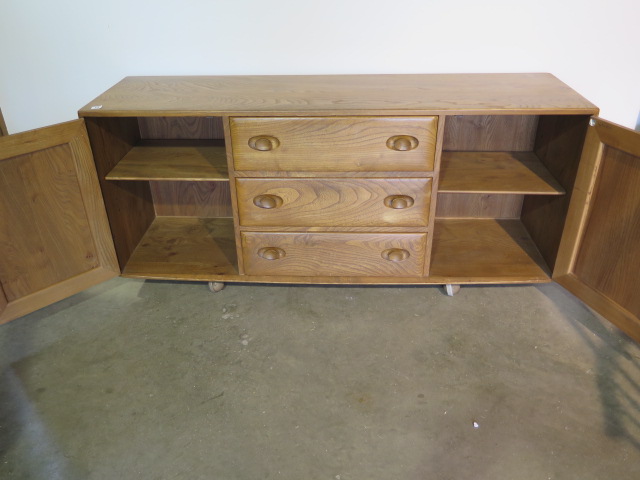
(336, 144)
(333, 254)
(351, 202)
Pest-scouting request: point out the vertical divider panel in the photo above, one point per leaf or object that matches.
(434, 193)
(232, 187)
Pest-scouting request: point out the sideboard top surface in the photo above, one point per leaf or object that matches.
(416, 94)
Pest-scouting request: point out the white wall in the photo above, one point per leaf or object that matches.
(57, 55)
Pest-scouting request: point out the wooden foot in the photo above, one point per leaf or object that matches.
(451, 289)
(215, 287)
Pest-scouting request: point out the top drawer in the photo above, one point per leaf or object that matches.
(334, 144)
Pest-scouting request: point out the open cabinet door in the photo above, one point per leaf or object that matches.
(599, 256)
(54, 234)
(3, 126)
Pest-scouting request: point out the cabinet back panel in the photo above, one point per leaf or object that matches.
(558, 146)
(194, 128)
(489, 133)
(478, 205)
(191, 199)
(37, 254)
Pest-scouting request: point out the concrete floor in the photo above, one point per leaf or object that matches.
(152, 380)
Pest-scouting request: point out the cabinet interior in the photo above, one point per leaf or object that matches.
(504, 190)
(502, 199)
(166, 188)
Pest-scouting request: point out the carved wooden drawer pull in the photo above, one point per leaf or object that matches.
(271, 253)
(395, 254)
(398, 201)
(264, 143)
(267, 201)
(402, 143)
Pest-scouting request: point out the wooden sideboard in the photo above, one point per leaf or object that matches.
(356, 179)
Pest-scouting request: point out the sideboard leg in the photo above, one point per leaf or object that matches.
(215, 287)
(451, 289)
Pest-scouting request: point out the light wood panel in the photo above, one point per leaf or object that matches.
(609, 258)
(333, 254)
(185, 247)
(600, 250)
(483, 133)
(334, 202)
(129, 204)
(355, 174)
(192, 199)
(181, 127)
(48, 190)
(485, 250)
(496, 172)
(436, 178)
(328, 144)
(172, 161)
(558, 146)
(3, 126)
(478, 205)
(336, 94)
(53, 226)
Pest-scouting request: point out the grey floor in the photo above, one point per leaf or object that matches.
(152, 380)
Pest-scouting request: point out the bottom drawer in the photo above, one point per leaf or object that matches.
(334, 254)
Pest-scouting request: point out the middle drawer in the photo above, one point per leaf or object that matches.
(343, 202)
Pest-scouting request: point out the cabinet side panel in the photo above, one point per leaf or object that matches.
(129, 204)
(558, 146)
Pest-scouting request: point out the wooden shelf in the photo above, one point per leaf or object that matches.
(185, 248)
(173, 160)
(485, 250)
(496, 172)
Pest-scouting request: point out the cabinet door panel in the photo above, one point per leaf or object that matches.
(599, 258)
(54, 236)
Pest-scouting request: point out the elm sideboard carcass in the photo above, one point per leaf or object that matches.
(356, 179)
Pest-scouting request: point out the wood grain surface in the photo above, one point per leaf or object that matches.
(334, 202)
(558, 146)
(195, 128)
(483, 249)
(175, 246)
(3, 125)
(496, 172)
(334, 144)
(129, 204)
(57, 246)
(609, 258)
(53, 227)
(333, 254)
(339, 94)
(487, 133)
(172, 161)
(478, 205)
(600, 250)
(191, 199)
